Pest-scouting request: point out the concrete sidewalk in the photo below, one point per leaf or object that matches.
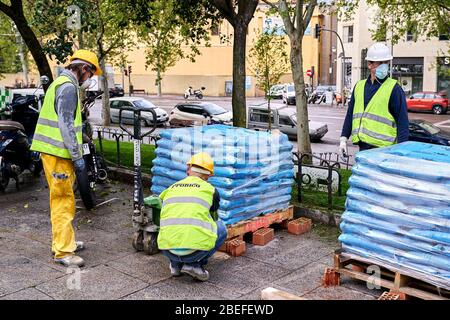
(115, 271)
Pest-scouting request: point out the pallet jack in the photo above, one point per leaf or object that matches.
(146, 212)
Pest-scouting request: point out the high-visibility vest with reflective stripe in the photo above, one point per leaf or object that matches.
(375, 125)
(47, 136)
(185, 217)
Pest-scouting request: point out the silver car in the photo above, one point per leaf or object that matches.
(132, 102)
(283, 118)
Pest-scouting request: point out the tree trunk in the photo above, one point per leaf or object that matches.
(158, 82)
(105, 97)
(303, 141)
(31, 42)
(238, 99)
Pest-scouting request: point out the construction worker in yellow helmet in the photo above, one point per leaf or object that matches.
(190, 229)
(58, 137)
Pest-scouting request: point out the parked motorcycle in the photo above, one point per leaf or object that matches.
(16, 136)
(197, 93)
(97, 170)
(316, 97)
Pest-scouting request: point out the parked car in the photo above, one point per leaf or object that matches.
(133, 102)
(199, 113)
(117, 91)
(283, 118)
(276, 91)
(424, 131)
(428, 101)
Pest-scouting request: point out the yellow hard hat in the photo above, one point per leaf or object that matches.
(202, 160)
(89, 57)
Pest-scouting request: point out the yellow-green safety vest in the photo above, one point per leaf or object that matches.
(47, 136)
(186, 222)
(375, 125)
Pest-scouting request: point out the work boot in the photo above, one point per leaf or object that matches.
(70, 261)
(198, 273)
(175, 271)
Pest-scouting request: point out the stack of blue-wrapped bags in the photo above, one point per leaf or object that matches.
(253, 170)
(398, 210)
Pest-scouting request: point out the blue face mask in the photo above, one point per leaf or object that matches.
(381, 71)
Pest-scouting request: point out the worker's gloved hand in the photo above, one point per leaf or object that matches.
(79, 165)
(343, 151)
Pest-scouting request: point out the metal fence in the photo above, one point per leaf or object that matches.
(329, 162)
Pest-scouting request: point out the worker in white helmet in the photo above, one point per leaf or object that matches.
(377, 115)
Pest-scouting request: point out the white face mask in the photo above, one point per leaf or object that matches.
(86, 84)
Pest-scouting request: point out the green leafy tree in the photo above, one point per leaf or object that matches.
(16, 11)
(165, 37)
(268, 60)
(9, 62)
(296, 17)
(425, 18)
(238, 13)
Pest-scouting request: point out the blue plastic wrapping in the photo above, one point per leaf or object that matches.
(398, 210)
(253, 170)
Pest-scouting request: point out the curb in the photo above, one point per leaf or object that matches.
(316, 215)
(127, 176)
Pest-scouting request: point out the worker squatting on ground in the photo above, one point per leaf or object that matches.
(58, 137)
(190, 229)
(377, 114)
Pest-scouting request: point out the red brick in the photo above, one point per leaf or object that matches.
(331, 278)
(392, 295)
(284, 224)
(224, 247)
(299, 226)
(236, 247)
(262, 236)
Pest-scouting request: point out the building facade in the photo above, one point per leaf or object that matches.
(418, 64)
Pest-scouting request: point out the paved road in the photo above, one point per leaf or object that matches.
(333, 116)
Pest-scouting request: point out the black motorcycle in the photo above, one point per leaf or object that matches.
(97, 170)
(15, 140)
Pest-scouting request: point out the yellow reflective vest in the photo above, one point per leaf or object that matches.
(375, 125)
(186, 222)
(47, 136)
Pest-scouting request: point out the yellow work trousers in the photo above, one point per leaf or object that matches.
(60, 178)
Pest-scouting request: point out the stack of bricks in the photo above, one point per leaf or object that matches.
(299, 226)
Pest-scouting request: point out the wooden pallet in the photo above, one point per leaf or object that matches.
(401, 284)
(242, 227)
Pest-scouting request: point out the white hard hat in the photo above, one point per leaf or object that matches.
(378, 52)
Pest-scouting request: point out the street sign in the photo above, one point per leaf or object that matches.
(309, 73)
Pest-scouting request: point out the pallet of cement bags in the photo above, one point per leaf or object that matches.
(398, 210)
(253, 170)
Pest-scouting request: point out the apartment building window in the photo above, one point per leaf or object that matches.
(409, 36)
(348, 34)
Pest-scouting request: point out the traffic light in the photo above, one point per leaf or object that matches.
(129, 69)
(317, 30)
(125, 71)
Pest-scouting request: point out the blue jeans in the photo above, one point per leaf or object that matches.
(198, 258)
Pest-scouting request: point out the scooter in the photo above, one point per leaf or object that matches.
(197, 93)
(15, 140)
(316, 97)
(146, 211)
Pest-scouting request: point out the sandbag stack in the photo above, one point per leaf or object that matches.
(253, 171)
(398, 210)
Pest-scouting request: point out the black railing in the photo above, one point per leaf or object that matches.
(319, 161)
(329, 161)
